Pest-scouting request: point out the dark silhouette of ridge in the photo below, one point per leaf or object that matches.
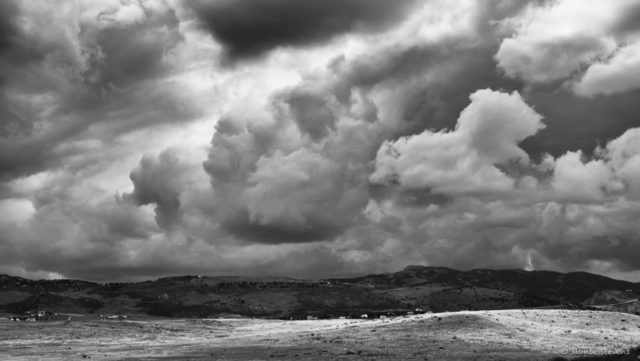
(413, 289)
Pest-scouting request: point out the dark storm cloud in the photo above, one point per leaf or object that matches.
(15, 118)
(242, 226)
(8, 28)
(630, 21)
(312, 114)
(570, 238)
(455, 66)
(437, 106)
(99, 83)
(15, 46)
(577, 123)
(620, 249)
(251, 28)
(23, 158)
(243, 148)
(103, 119)
(16, 51)
(121, 55)
(406, 148)
(97, 232)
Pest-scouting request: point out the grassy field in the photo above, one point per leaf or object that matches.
(471, 335)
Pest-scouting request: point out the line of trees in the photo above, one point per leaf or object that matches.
(270, 284)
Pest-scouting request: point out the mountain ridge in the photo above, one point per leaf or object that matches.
(412, 288)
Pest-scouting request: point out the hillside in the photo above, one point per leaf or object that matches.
(427, 288)
(615, 300)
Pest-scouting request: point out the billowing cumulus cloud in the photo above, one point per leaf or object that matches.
(623, 155)
(463, 160)
(348, 137)
(554, 41)
(578, 180)
(559, 41)
(617, 75)
(161, 181)
(277, 185)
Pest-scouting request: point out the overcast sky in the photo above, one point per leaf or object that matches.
(318, 138)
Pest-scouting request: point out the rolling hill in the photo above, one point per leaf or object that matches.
(416, 287)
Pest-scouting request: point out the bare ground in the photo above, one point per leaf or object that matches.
(468, 335)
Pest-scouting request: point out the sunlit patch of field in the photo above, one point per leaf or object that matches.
(469, 335)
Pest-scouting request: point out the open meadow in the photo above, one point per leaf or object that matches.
(533, 334)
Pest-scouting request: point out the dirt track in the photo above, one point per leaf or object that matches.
(472, 335)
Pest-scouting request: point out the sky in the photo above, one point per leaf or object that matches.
(145, 138)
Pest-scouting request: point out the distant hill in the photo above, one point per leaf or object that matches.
(615, 300)
(416, 287)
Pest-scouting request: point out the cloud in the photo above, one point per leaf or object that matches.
(15, 210)
(262, 157)
(312, 113)
(7, 27)
(372, 136)
(251, 28)
(618, 74)
(73, 235)
(275, 186)
(610, 172)
(623, 155)
(128, 44)
(30, 61)
(84, 77)
(551, 42)
(579, 235)
(580, 181)
(463, 160)
(538, 61)
(284, 188)
(160, 181)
